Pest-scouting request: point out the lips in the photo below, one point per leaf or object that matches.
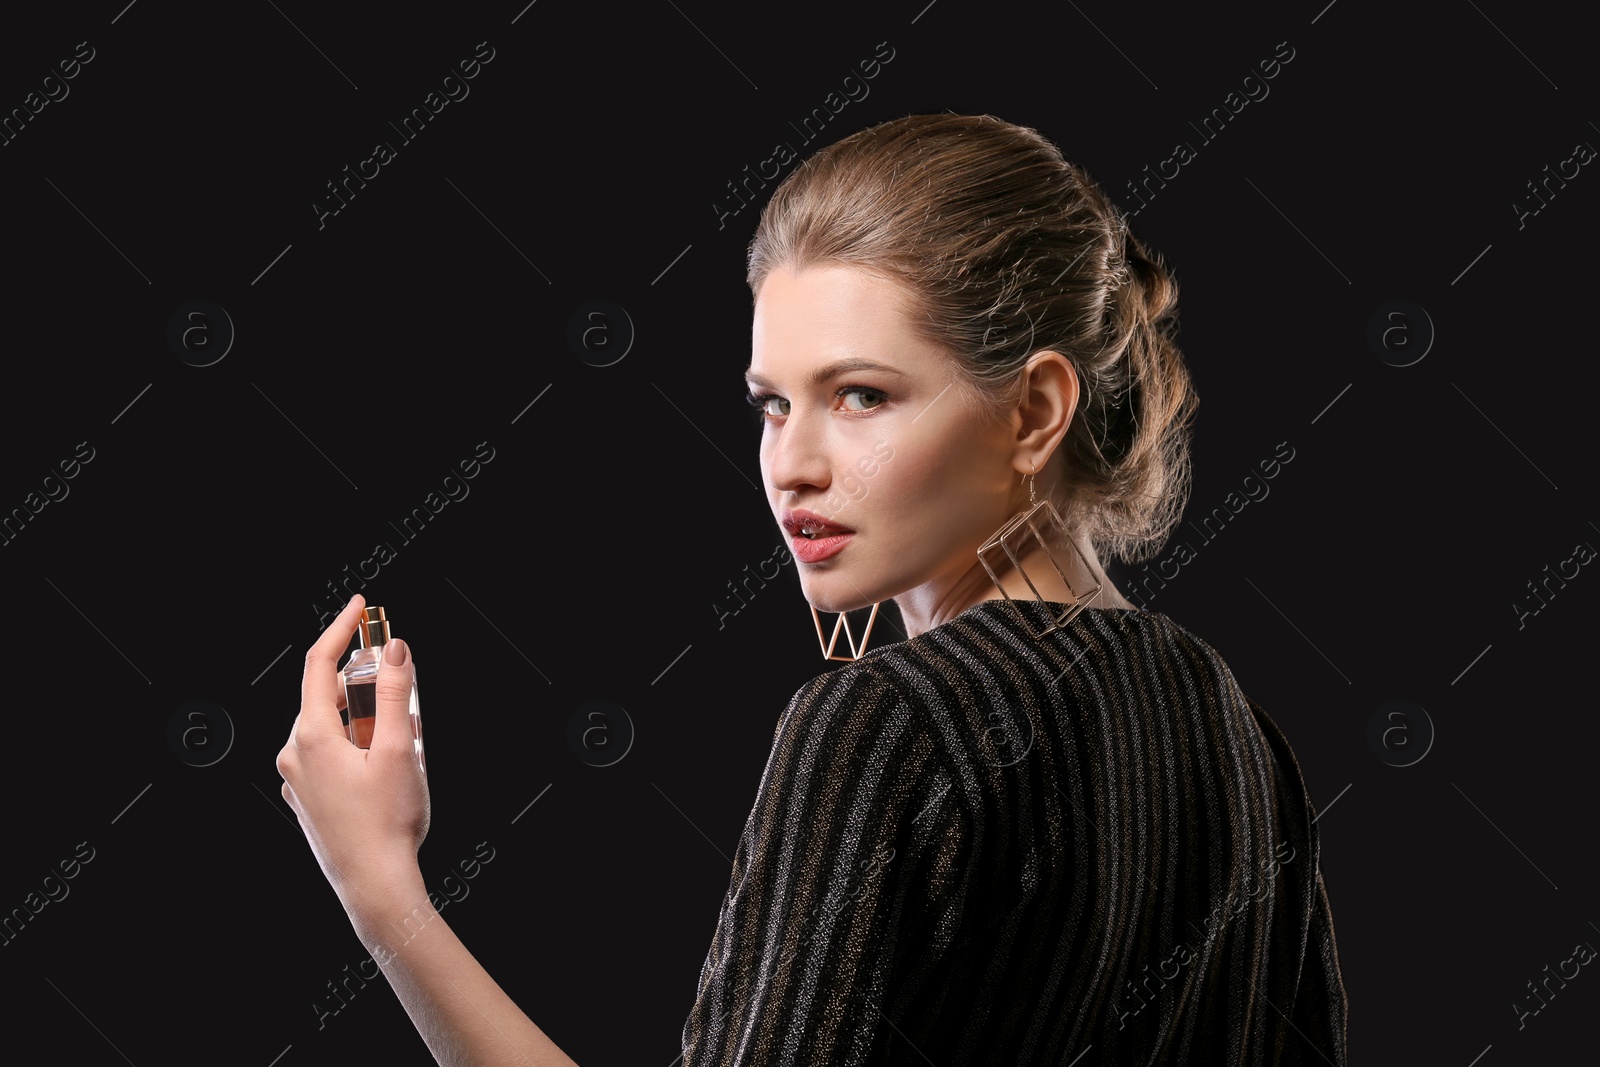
(817, 549)
(808, 525)
(812, 537)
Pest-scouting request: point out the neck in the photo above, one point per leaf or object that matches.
(941, 599)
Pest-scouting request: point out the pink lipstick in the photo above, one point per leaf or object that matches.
(813, 538)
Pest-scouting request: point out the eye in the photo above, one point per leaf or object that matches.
(854, 398)
(870, 398)
(770, 405)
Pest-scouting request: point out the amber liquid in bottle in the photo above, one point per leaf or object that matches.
(360, 679)
(361, 693)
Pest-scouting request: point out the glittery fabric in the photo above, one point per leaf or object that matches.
(982, 847)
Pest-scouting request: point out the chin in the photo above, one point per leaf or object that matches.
(834, 597)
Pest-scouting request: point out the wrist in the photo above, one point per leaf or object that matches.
(380, 903)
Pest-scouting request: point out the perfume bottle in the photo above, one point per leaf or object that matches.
(360, 678)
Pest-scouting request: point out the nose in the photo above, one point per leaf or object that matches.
(796, 455)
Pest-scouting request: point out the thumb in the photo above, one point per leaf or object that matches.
(396, 678)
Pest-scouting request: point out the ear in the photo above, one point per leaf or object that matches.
(1045, 405)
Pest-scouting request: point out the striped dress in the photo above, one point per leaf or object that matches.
(982, 847)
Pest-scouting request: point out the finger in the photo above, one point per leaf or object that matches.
(393, 728)
(319, 687)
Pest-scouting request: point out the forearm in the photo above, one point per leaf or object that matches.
(463, 1015)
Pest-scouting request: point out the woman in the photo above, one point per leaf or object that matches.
(1047, 825)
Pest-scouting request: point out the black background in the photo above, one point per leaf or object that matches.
(374, 353)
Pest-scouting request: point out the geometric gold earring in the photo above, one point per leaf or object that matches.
(1039, 520)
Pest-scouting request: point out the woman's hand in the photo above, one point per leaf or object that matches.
(364, 811)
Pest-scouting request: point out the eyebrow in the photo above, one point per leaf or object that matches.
(828, 371)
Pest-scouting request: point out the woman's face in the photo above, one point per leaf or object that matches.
(870, 436)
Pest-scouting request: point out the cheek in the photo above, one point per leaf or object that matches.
(909, 499)
(907, 480)
(765, 456)
(937, 496)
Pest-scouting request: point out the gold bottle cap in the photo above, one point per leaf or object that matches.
(374, 628)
